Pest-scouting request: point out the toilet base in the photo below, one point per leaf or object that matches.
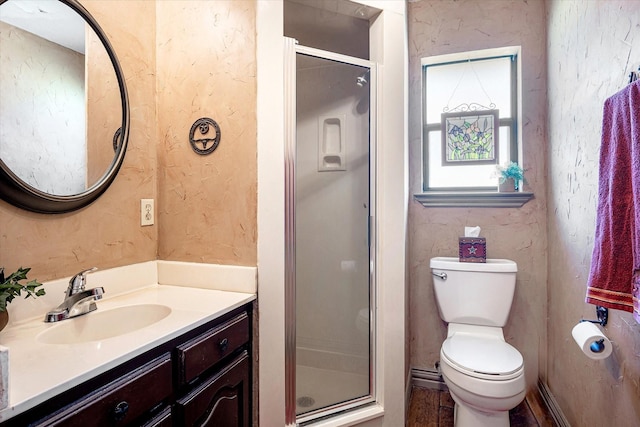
(466, 416)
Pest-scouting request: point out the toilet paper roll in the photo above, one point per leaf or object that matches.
(592, 341)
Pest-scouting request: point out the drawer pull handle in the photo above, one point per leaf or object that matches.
(224, 344)
(120, 411)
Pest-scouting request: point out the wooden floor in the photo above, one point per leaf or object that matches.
(434, 408)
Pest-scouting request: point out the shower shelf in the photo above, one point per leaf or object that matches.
(331, 143)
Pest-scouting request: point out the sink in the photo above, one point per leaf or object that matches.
(99, 325)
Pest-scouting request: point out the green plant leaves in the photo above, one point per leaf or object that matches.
(11, 287)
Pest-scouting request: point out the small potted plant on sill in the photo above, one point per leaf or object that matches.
(509, 177)
(11, 287)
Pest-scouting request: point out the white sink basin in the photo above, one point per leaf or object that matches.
(99, 325)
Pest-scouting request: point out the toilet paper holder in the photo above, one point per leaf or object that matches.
(603, 316)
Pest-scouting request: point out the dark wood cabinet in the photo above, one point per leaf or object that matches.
(163, 419)
(220, 401)
(121, 402)
(202, 378)
(202, 352)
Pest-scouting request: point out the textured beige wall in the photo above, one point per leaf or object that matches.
(441, 27)
(103, 107)
(106, 233)
(592, 48)
(205, 205)
(207, 68)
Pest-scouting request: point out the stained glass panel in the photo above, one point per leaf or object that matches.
(470, 137)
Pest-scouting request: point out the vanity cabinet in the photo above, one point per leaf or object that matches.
(201, 378)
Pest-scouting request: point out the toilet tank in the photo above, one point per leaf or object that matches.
(474, 293)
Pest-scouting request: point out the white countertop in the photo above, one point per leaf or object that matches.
(39, 371)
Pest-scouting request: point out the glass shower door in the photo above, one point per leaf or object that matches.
(332, 210)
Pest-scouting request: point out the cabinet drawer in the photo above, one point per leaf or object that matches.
(120, 402)
(202, 352)
(220, 401)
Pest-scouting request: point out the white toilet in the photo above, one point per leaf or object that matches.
(485, 375)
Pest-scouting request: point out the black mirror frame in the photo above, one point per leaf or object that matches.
(15, 191)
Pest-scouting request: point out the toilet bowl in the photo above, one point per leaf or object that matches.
(484, 374)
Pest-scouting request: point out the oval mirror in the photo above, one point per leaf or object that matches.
(64, 111)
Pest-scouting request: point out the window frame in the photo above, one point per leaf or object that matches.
(475, 196)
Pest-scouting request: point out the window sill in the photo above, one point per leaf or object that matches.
(461, 199)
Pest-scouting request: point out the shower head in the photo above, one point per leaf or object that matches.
(362, 80)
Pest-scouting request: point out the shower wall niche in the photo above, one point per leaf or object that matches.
(331, 143)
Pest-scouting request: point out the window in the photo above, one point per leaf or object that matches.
(470, 124)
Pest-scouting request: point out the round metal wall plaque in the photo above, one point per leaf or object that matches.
(201, 144)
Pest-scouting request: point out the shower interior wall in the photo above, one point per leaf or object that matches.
(326, 29)
(332, 259)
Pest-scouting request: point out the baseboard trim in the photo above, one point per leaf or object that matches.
(551, 403)
(427, 378)
(407, 394)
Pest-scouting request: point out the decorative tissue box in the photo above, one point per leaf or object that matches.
(472, 249)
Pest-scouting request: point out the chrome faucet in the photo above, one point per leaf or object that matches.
(77, 300)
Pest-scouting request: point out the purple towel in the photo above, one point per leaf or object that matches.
(614, 278)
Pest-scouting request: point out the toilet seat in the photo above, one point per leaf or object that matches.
(482, 356)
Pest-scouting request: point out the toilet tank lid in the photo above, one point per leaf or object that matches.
(495, 265)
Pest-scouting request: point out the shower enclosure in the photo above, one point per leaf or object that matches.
(330, 266)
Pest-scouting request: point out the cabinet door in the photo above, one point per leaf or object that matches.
(220, 401)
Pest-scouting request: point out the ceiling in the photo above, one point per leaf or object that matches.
(50, 19)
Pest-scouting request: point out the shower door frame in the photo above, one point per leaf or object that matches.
(292, 49)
